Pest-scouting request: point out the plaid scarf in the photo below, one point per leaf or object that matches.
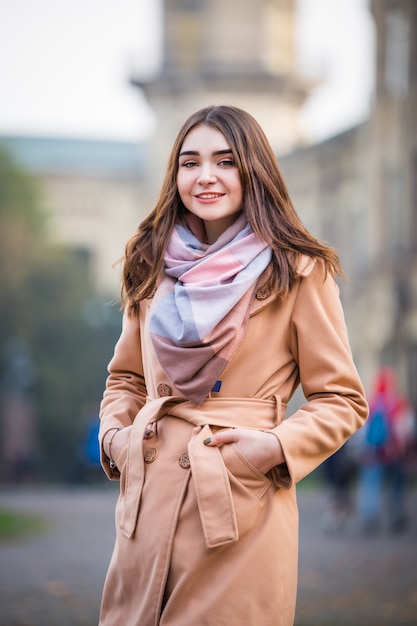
(201, 308)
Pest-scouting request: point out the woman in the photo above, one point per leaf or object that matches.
(229, 304)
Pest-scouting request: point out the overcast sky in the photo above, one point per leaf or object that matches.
(64, 65)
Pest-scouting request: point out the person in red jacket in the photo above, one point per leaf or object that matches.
(387, 437)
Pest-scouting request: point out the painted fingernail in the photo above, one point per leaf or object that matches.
(207, 441)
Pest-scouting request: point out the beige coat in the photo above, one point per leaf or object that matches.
(203, 538)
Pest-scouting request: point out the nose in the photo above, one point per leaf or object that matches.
(206, 175)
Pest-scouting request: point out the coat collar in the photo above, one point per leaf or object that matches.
(263, 293)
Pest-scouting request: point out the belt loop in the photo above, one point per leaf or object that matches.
(278, 402)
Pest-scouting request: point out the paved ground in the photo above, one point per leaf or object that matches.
(55, 579)
(349, 579)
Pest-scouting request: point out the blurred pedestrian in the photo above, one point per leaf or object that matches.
(386, 439)
(338, 472)
(17, 414)
(229, 304)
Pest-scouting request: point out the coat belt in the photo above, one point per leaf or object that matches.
(208, 472)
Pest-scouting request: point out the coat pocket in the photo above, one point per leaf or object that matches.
(249, 487)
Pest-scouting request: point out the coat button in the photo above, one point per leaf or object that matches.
(263, 293)
(163, 390)
(184, 460)
(150, 455)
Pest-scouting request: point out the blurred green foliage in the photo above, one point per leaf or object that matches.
(48, 303)
(15, 524)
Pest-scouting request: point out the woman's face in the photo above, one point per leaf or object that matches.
(208, 180)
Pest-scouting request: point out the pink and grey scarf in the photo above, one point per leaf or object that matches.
(201, 308)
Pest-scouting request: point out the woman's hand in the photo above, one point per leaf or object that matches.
(262, 449)
(119, 440)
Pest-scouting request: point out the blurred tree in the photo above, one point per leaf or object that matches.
(48, 301)
(19, 197)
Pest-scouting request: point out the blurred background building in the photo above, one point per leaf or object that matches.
(357, 190)
(241, 53)
(93, 192)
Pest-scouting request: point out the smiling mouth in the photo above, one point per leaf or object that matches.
(209, 196)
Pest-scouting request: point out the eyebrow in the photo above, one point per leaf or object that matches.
(196, 153)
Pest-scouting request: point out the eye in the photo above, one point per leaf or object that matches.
(188, 164)
(227, 163)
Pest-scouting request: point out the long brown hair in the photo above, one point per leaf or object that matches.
(266, 204)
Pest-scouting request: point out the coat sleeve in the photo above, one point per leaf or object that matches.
(125, 392)
(336, 406)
